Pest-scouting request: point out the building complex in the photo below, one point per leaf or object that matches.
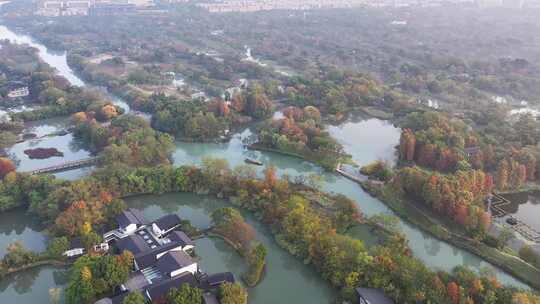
(162, 258)
(55, 8)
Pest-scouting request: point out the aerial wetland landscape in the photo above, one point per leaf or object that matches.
(342, 151)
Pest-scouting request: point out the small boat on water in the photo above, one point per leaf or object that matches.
(253, 162)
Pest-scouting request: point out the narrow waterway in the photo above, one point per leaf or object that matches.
(435, 253)
(54, 59)
(365, 140)
(17, 225)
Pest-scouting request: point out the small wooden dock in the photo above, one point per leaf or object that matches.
(521, 227)
(496, 202)
(72, 165)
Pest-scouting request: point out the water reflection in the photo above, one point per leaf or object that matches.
(32, 286)
(367, 139)
(17, 225)
(432, 247)
(525, 207)
(65, 144)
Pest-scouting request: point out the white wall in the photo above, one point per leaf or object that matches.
(191, 268)
(163, 253)
(130, 228)
(74, 252)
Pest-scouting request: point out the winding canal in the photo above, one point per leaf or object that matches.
(365, 139)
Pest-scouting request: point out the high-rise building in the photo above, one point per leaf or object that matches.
(55, 8)
(489, 3)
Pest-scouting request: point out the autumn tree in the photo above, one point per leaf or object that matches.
(453, 292)
(503, 175)
(108, 112)
(407, 145)
(270, 176)
(231, 224)
(134, 298)
(6, 166)
(79, 117)
(224, 109)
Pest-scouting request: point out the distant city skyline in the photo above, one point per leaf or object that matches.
(260, 5)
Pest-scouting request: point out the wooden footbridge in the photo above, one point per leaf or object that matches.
(71, 165)
(528, 232)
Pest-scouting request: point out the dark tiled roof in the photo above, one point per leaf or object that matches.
(148, 257)
(173, 260)
(160, 290)
(130, 216)
(168, 221)
(373, 296)
(134, 243)
(145, 259)
(181, 238)
(136, 281)
(76, 243)
(220, 278)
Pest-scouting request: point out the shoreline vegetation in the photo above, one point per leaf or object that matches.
(54, 263)
(292, 211)
(231, 226)
(18, 258)
(510, 264)
(301, 133)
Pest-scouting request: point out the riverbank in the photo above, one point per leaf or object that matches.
(525, 189)
(409, 212)
(328, 165)
(48, 262)
(240, 250)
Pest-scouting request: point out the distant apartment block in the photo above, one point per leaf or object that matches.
(225, 6)
(253, 6)
(55, 8)
(19, 92)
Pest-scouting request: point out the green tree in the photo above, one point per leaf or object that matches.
(505, 236)
(256, 259)
(116, 271)
(134, 298)
(232, 293)
(57, 246)
(185, 295)
(80, 289)
(229, 222)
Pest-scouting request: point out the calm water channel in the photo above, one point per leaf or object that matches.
(365, 139)
(285, 275)
(524, 206)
